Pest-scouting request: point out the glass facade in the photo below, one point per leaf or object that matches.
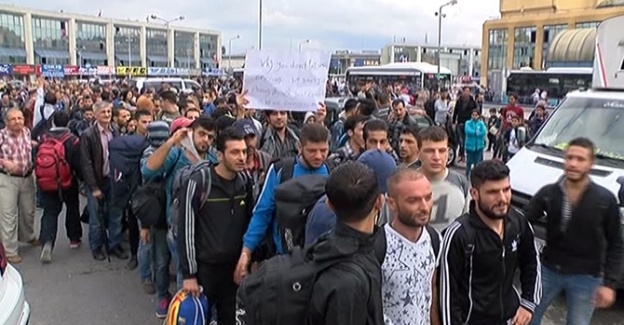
(12, 45)
(90, 44)
(127, 46)
(497, 49)
(50, 40)
(208, 50)
(588, 24)
(184, 49)
(550, 32)
(156, 43)
(524, 47)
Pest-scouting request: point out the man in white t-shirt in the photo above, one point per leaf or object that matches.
(409, 290)
(450, 188)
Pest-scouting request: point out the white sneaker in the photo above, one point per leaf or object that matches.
(46, 253)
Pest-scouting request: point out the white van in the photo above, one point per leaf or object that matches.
(597, 114)
(182, 85)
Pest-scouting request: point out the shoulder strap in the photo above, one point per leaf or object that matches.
(435, 240)
(206, 183)
(469, 247)
(286, 168)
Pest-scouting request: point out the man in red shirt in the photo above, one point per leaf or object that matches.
(512, 110)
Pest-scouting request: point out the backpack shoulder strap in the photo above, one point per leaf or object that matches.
(435, 240)
(469, 245)
(206, 183)
(286, 168)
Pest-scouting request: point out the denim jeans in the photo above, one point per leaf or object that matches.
(473, 158)
(112, 219)
(173, 248)
(156, 252)
(461, 137)
(579, 293)
(52, 206)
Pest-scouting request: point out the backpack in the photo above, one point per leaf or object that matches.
(52, 169)
(294, 199)
(180, 179)
(124, 157)
(280, 291)
(42, 126)
(185, 309)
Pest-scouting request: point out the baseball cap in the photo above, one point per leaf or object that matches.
(246, 126)
(180, 122)
(381, 163)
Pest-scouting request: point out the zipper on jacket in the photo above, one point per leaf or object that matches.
(500, 296)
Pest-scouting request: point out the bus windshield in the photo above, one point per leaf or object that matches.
(557, 85)
(600, 120)
(410, 81)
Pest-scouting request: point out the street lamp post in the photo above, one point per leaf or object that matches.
(303, 42)
(260, 26)
(167, 23)
(230, 51)
(440, 16)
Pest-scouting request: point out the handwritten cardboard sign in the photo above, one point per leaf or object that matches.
(293, 81)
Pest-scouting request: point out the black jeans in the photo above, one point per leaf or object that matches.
(461, 136)
(52, 206)
(133, 231)
(220, 289)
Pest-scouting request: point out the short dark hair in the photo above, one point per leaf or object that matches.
(223, 123)
(384, 98)
(169, 96)
(313, 133)
(488, 170)
(228, 134)
(411, 129)
(60, 119)
(49, 98)
(204, 122)
(352, 189)
(366, 106)
(351, 123)
(350, 105)
(141, 112)
(584, 143)
(397, 102)
(433, 134)
(375, 125)
(514, 95)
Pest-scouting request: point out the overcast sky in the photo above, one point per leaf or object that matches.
(328, 24)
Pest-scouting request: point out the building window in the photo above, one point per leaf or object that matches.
(91, 44)
(50, 41)
(588, 24)
(524, 47)
(497, 49)
(550, 32)
(184, 49)
(127, 46)
(12, 45)
(208, 50)
(157, 45)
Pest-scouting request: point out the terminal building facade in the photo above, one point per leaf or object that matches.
(36, 37)
(542, 34)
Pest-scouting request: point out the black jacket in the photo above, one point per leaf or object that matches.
(212, 233)
(72, 149)
(340, 296)
(463, 109)
(593, 235)
(91, 156)
(477, 287)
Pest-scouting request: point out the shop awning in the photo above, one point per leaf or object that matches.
(156, 58)
(94, 56)
(12, 52)
(52, 54)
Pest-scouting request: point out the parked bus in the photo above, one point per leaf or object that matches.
(557, 82)
(414, 75)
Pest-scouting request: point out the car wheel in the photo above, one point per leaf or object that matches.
(451, 156)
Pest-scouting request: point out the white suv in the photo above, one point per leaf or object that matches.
(13, 306)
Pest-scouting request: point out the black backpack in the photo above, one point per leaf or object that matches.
(279, 292)
(294, 199)
(42, 126)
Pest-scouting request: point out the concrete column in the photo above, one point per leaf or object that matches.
(143, 45)
(71, 36)
(171, 46)
(511, 38)
(28, 39)
(110, 44)
(419, 50)
(539, 47)
(219, 45)
(470, 62)
(196, 52)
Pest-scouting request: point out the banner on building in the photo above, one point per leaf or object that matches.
(88, 71)
(105, 70)
(131, 71)
(5, 69)
(213, 72)
(52, 70)
(161, 72)
(182, 72)
(24, 69)
(71, 70)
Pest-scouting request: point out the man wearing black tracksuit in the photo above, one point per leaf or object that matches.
(462, 113)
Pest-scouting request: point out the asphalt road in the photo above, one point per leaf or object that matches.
(76, 289)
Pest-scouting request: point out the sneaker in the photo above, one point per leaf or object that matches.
(163, 307)
(34, 242)
(148, 287)
(46, 253)
(74, 244)
(14, 259)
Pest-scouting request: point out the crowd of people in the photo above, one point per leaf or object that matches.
(278, 218)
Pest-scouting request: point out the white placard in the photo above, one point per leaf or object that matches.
(294, 81)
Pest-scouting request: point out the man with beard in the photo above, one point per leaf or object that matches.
(409, 288)
(481, 252)
(583, 252)
(278, 139)
(258, 161)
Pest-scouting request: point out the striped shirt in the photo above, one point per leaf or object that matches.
(566, 207)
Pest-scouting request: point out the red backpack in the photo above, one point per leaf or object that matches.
(51, 166)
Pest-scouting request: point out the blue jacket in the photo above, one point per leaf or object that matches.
(320, 220)
(475, 135)
(264, 211)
